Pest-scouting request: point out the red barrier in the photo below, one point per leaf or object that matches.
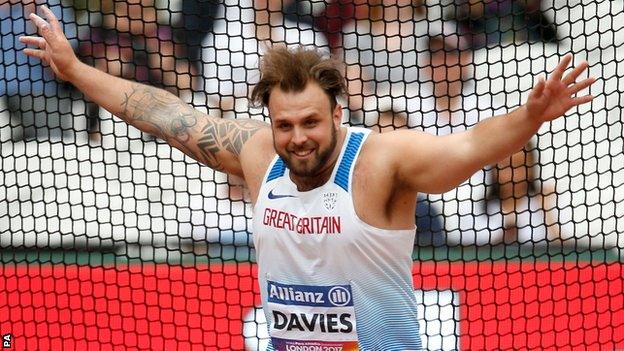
(504, 305)
(548, 306)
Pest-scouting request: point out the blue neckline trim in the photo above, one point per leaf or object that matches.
(344, 169)
(278, 170)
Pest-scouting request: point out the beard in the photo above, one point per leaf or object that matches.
(314, 165)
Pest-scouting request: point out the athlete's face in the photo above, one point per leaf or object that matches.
(305, 129)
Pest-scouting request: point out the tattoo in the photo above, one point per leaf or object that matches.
(230, 135)
(167, 116)
(160, 113)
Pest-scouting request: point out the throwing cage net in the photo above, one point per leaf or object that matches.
(111, 239)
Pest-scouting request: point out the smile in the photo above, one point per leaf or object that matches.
(303, 153)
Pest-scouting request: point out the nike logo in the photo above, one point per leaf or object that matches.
(276, 196)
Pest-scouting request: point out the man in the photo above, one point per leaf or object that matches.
(334, 206)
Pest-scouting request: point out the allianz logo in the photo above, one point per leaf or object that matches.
(337, 296)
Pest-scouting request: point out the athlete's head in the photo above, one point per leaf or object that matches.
(300, 88)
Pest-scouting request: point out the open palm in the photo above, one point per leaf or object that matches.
(52, 47)
(554, 97)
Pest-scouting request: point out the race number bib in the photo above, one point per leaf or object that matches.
(312, 318)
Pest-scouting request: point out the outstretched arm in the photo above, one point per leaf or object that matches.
(217, 143)
(438, 164)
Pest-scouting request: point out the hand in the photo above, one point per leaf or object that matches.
(554, 97)
(53, 48)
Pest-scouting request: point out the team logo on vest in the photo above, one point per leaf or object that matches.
(329, 200)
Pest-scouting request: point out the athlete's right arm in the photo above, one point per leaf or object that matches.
(215, 142)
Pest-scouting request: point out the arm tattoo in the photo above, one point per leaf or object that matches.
(164, 115)
(230, 135)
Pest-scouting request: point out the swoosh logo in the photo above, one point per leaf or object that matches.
(276, 196)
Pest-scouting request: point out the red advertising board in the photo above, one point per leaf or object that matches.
(503, 305)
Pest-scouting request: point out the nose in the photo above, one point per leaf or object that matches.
(299, 136)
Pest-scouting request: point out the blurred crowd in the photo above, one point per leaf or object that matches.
(406, 68)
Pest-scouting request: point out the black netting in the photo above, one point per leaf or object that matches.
(112, 239)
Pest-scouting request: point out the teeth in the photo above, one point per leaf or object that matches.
(303, 153)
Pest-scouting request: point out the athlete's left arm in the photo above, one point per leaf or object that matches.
(433, 164)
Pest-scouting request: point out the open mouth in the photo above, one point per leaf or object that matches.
(303, 153)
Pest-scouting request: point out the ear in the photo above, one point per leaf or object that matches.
(337, 115)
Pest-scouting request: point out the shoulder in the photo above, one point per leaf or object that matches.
(388, 152)
(255, 158)
(259, 149)
(388, 143)
(376, 153)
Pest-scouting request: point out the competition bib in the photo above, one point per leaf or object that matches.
(312, 318)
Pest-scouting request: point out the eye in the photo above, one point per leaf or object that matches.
(283, 127)
(311, 123)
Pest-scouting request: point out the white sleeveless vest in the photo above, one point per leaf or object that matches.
(328, 280)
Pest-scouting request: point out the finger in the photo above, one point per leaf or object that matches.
(49, 15)
(561, 67)
(44, 27)
(576, 72)
(581, 85)
(539, 88)
(582, 100)
(40, 54)
(34, 41)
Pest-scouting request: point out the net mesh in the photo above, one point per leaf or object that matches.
(111, 239)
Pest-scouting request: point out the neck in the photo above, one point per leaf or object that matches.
(313, 182)
(317, 180)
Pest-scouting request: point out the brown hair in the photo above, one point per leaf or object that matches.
(292, 69)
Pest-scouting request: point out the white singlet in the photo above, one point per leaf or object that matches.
(328, 280)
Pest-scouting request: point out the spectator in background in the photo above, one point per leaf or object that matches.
(103, 47)
(504, 21)
(529, 207)
(339, 13)
(445, 104)
(155, 52)
(194, 26)
(232, 52)
(38, 105)
(450, 69)
(380, 53)
(444, 101)
(125, 39)
(516, 208)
